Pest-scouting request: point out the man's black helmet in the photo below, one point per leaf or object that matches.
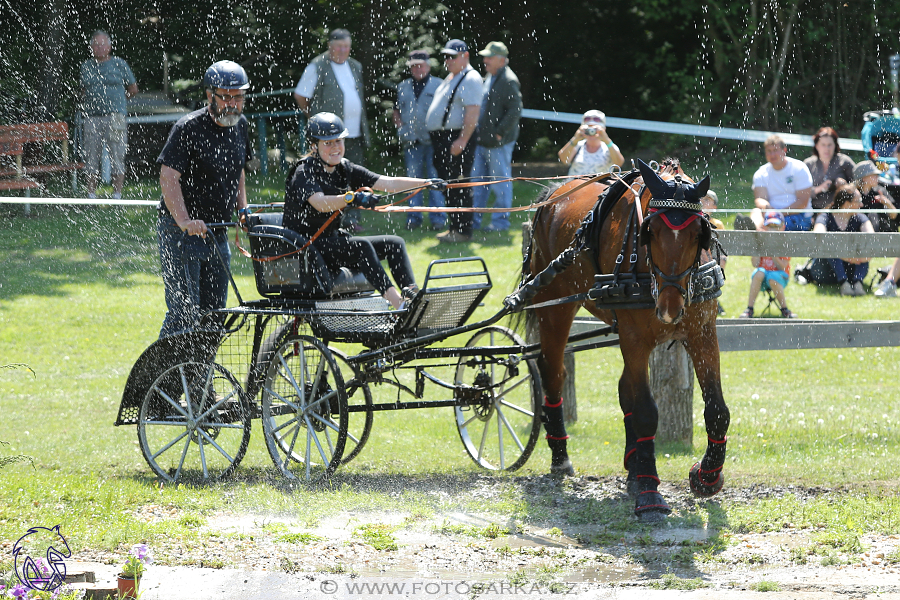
(226, 75)
(325, 126)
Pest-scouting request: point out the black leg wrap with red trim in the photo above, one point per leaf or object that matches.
(552, 417)
(649, 505)
(706, 477)
(628, 460)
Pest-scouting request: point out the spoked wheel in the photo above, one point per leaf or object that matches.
(304, 409)
(359, 397)
(194, 423)
(500, 424)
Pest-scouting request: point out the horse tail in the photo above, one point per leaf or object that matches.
(516, 320)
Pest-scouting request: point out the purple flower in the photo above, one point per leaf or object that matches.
(19, 591)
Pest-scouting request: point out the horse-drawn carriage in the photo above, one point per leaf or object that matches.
(194, 395)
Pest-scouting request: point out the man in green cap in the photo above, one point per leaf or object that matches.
(498, 130)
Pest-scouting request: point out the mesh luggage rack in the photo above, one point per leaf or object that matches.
(369, 320)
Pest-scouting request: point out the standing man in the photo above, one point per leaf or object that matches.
(333, 82)
(783, 184)
(414, 96)
(498, 130)
(202, 181)
(451, 120)
(106, 83)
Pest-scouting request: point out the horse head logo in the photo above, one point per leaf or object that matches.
(48, 571)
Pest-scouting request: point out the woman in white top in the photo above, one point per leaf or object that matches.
(590, 150)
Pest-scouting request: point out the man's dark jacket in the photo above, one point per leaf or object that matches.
(501, 111)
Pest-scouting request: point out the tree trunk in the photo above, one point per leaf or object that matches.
(54, 22)
(672, 386)
(532, 335)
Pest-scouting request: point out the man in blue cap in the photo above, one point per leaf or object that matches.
(451, 121)
(202, 181)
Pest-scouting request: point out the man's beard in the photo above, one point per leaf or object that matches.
(226, 117)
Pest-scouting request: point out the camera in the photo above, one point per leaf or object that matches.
(591, 131)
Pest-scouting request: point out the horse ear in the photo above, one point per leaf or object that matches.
(658, 187)
(698, 190)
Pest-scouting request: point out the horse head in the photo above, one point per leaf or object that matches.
(674, 232)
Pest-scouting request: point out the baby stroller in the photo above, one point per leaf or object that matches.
(880, 136)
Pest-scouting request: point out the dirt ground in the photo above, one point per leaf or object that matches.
(555, 554)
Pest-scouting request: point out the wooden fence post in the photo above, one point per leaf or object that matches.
(672, 386)
(532, 335)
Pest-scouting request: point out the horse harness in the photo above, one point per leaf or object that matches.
(625, 288)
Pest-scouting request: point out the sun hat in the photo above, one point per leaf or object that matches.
(495, 49)
(865, 168)
(773, 217)
(713, 196)
(454, 47)
(597, 114)
(417, 57)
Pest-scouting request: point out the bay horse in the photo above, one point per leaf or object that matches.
(665, 246)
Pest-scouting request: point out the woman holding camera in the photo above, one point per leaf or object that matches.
(590, 150)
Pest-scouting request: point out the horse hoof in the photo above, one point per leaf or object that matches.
(650, 506)
(563, 469)
(701, 488)
(653, 516)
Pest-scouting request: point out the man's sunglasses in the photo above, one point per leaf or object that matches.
(229, 98)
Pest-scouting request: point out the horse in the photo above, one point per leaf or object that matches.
(665, 246)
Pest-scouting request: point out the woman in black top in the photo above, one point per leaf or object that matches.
(849, 272)
(324, 182)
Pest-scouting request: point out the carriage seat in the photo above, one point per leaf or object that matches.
(292, 274)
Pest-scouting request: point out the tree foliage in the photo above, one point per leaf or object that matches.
(775, 64)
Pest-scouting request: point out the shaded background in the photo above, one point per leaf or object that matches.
(787, 65)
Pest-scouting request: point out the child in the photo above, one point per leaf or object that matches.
(771, 272)
(710, 202)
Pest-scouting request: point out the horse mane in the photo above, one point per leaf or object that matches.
(517, 319)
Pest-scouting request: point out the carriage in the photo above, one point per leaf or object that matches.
(281, 359)
(193, 396)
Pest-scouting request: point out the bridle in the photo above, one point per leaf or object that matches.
(656, 209)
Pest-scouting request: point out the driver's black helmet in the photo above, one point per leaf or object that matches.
(325, 126)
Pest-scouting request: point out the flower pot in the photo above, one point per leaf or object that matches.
(128, 586)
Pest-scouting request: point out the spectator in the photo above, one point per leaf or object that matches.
(498, 130)
(770, 272)
(710, 202)
(848, 272)
(452, 119)
(826, 166)
(339, 89)
(783, 184)
(323, 182)
(202, 181)
(106, 84)
(875, 196)
(590, 150)
(888, 287)
(414, 96)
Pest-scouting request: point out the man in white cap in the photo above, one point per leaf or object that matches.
(451, 121)
(498, 130)
(414, 97)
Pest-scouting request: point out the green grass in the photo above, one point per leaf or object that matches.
(81, 298)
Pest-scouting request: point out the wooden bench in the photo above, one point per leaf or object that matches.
(13, 140)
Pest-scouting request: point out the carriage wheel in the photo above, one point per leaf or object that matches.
(499, 431)
(304, 409)
(359, 424)
(194, 423)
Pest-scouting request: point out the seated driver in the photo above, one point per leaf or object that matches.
(323, 182)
